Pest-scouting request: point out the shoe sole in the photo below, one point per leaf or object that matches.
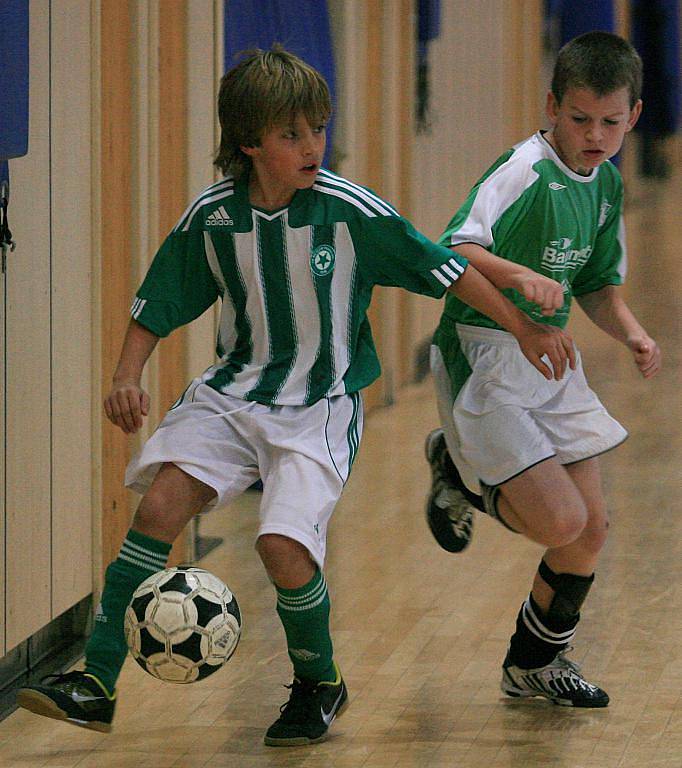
(519, 693)
(302, 741)
(40, 704)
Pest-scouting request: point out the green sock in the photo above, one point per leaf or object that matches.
(106, 650)
(305, 615)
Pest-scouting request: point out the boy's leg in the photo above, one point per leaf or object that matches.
(546, 623)
(305, 458)
(318, 691)
(171, 501)
(544, 504)
(87, 698)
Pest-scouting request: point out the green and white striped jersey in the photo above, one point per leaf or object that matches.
(295, 285)
(530, 208)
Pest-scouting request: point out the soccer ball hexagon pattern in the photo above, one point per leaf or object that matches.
(182, 624)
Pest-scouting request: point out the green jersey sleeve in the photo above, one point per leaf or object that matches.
(179, 285)
(391, 252)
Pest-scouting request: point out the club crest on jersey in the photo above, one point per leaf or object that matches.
(322, 260)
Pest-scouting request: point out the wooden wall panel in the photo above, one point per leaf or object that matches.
(523, 88)
(204, 31)
(97, 426)
(116, 120)
(28, 458)
(405, 43)
(145, 183)
(172, 170)
(71, 305)
(373, 176)
(172, 175)
(349, 21)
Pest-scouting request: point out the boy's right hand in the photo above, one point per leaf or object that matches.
(537, 340)
(548, 294)
(126, 405)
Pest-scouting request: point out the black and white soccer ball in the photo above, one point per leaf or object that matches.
(182, 624)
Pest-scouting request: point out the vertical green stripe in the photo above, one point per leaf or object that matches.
(353, 437)
(322, 371)
(243, 349)
(364, 364)
(279, 309)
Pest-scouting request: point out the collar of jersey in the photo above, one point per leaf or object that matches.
(299, 202)
(563, 167)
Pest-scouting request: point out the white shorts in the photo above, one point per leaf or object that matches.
(303, 455)
(507, 417)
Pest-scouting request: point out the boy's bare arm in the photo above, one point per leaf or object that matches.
(548, 294)
(607, 309)
(127, 403)
(535, 339)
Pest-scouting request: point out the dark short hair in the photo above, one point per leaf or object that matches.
(600, 61)
(265, 89)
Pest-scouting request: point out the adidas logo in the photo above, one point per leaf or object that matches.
(219, 218)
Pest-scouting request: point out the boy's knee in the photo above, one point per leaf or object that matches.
(287, 561)
(567, 525)
(154, 515)
(273, 546)
(594, 535)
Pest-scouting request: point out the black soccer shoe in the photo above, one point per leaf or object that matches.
(449, 511)
(74, 697)
(560, 682)
(311, 709)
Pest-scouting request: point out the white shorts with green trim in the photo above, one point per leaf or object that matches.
(507, 417)
(303, 455)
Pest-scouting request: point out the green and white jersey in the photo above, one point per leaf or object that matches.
(295, 285)
(530, 208)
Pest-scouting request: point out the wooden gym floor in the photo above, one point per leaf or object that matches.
(420, 634)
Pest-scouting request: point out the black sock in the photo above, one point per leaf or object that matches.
(537, 639)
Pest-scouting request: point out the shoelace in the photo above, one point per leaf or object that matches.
(60, 677)
(573, 670)
(568, 663)
(300, 702)
(67, 679)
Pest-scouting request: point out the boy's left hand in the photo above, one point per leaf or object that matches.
(646, 353)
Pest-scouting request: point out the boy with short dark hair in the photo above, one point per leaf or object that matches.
(543, 224)
(293, 252)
